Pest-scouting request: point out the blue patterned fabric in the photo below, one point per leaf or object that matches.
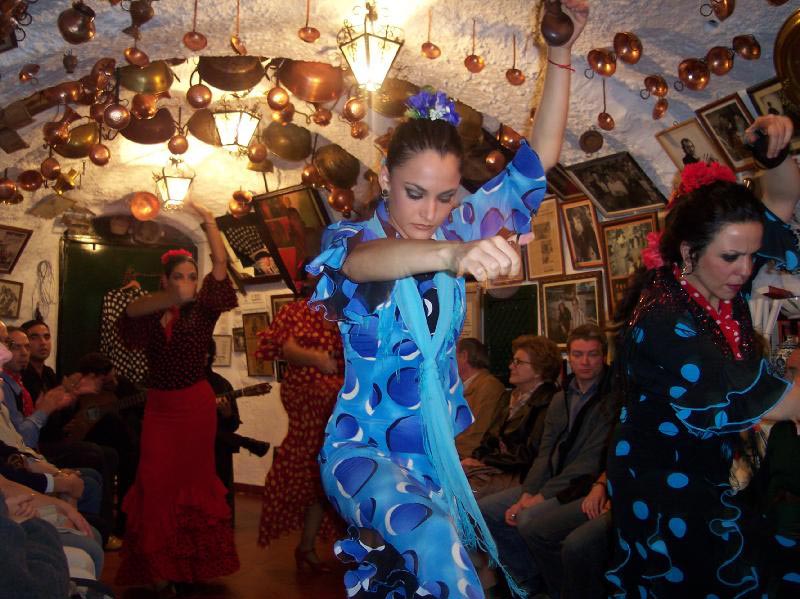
(377, 468)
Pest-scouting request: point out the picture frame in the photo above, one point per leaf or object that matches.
(560, 183)
(8, 41)
(292, 221)
(687, 142)
(617, 185)
(569, 302)
(280, 370)
(253, 323)
(583, 237)
(726, 121)
(546, 252)
(238, 339)
(279, 300)
(472, 313)
(10, 298)
(224, 345)
(623, 242)
(12, 243)
(250, 259)
(768, 97)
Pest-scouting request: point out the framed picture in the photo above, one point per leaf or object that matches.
(768, 97)
(472, 313)
(617, 185)
(545, 252)
(686, 143)
(12, 243)
(280, 370)
(250, 261)
(726, 120)
(224, 345)
(623, 242)
(279, 300)
(253, 324)
(570, 302)
(10, 298)
(583, 239)
(291, 221)
(8, 41)
(560, 183)
(238, 339)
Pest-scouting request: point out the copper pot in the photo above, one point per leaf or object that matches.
(719, 60)
(660, 108)
(30, 180)
(285, 115)
(202, 126)
(8, 189)
(515, 76)
(28, 72)
(315, 82)
(96, 111)
(257, 152)
(116, 116)
(238, 209)
(509, 138)
(474, 63)
(198, 96)
(431, 50)
(152, 79)
(178, 144)
(99, 154)
(495, 161)
(723, 8)
(141, 12)
(322, 116)
(50, 168)
(72, 91)
(341, 199)
(308, 34)
(747, 47)
(605, 121)
(144, 106)
(70, 62)
(354, 109)
(56, 132)
(337, 166)
(602, 61)
(628, 47)
(156, 130)
(144, 205)
(289, 142)
(656, 85)
(277, 98)
(310, 176)
(231, 73)
(194, 40)
(136, 57)
(104, 66)
(694, 73)
(590, 141)
(80, 141)
(359, 130)
(391, 99)
(557, 28)
(76, 24)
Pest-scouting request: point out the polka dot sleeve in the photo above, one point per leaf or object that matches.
(670, 359)
(282, 328)
(216, 296)
(137, 332)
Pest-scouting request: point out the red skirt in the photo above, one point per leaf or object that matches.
(178, 524)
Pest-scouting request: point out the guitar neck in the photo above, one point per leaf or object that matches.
(140, 398)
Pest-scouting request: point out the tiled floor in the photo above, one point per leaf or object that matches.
(265, 573)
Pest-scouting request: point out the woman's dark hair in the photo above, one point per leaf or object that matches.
(174, 261)
(698, 216)
(417, 135)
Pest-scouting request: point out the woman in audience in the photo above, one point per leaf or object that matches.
(178, 527)
(694, 378)
(502, 459)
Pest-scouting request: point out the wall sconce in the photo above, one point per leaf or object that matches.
(172, 183)
(236, 127)
(368, 54)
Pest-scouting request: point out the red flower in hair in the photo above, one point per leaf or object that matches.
(651, 256)
(165, 257)
(698, 174)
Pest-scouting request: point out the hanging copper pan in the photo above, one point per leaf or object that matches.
(390, 99)
(202, 126)
(289, 141)
(80, 141)
(315, 82)
(337, 166)
(152, 79)
(231, 73)
(151, 131)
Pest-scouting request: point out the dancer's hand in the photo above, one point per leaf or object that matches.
(578, 11)
(485, 259)
(326, 363)
(779, 129)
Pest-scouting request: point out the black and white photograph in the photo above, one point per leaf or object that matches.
(250, 260)
(279, 300)
(561, 184)
(224, 345)
(617, 185)
(623, 242)
(12, 243)
(571, 302)
(10, 298)
(768, 97)
(727, 120)
(687, 143)
(238, 339)
(545, 253)
(583, 235)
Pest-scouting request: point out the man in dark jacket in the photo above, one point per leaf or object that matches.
(570, 459)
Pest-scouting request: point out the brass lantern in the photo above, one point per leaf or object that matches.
(173, 182)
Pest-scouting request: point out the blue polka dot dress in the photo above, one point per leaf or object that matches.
(376, 467)
(687, 396)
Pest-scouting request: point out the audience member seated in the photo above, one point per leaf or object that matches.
(509, 447)
(571, 456)
(38, 377)
(482, 391)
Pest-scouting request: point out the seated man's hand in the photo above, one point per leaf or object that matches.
(524, 502)
(594, 503)
(69, 483)
(20, 508)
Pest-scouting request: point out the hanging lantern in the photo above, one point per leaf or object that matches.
(236, 127)
(173, 182)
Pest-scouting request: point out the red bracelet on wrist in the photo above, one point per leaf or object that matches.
(566, 67)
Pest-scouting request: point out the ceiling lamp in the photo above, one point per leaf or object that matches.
(369, 54)
(173, 182)
(236, 127)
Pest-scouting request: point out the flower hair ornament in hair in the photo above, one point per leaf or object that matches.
(432, 106)
(166, 256)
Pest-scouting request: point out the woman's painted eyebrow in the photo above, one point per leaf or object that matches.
(421, 189)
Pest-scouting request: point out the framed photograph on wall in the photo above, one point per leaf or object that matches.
(224, 344)
(560, 183)
(545, 252)
(583, 238)
(253, 324)
(279, 300)
(10, 298)
(617, 185)
(686, 143)
(570, 302)
(250, 260)
(623, 242)
(768, 97)
(472, 313)
(238, 339)
(726, 120)
(280, 370)
(12, 242)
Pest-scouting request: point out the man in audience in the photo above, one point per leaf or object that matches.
(38, 377)
(482, 392)
(576, 431)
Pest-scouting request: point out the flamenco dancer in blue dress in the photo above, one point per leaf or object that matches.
(393, 283)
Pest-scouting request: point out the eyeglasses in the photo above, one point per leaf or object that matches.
(516, 362)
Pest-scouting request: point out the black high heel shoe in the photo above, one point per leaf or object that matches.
(308, 561)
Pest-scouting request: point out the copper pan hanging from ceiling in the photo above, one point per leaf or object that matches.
(151, 131)
(231, 73)
(80, 141)
(152, 79)
(202, 126)
(315, 82)
(289, 141)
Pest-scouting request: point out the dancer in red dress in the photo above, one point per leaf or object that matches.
(293, 496)
(179, 524)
